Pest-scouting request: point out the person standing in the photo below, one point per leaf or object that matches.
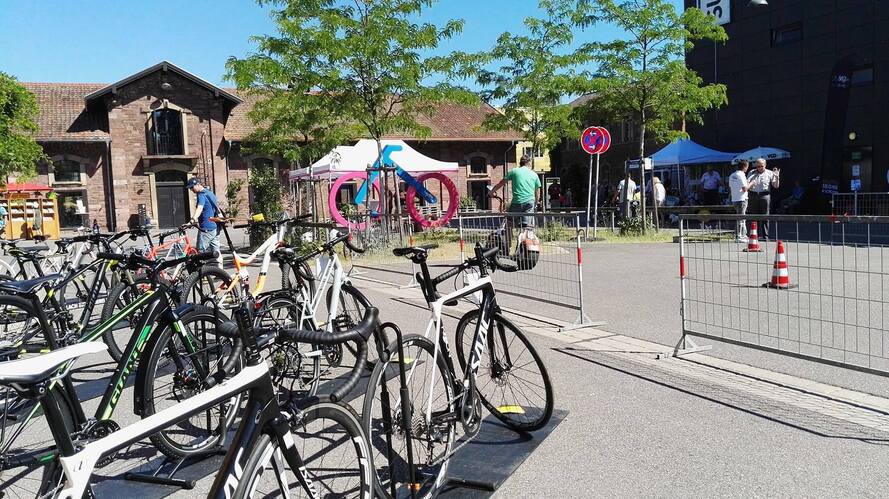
(621, 195)
(761, 182)
(659, 196)
(525, 190)
(569, 198)
(710, 185)
(738, 185)
(206, 208)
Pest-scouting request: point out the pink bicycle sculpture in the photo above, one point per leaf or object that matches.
(416, 191)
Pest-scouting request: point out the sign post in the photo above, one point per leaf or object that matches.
(595, 140)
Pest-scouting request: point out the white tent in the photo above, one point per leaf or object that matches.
(346, 159)
(768, 153)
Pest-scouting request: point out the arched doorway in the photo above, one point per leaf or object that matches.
(172, 200)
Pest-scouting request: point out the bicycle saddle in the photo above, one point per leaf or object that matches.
(22, 373)
(27, 287)
(412, 251)
(33, 249)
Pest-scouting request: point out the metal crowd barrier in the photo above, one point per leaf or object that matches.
(557, 277)
(861, 204)
(818, 288)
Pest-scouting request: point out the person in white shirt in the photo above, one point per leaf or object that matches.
(621, 195)
(710, 185)
(738, 185)
(761, 181)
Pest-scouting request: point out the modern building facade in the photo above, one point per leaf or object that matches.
(125, 149)
(807, 76)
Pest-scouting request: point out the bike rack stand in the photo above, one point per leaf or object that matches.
(160, 477)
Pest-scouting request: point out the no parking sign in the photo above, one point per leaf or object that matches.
(595, 140)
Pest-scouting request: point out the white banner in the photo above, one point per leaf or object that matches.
(720, 9)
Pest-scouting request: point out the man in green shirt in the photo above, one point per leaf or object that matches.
(525, 190)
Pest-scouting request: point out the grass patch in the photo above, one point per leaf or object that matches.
(664, 236)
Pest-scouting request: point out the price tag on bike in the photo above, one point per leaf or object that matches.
(595, 140)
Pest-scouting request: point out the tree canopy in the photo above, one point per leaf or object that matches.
(535, 71)
(19, 152)
(338, 70)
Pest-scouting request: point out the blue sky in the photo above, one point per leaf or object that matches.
(102, 41)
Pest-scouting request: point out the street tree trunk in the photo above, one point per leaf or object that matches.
(642, 168)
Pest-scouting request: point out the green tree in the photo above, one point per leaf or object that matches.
(643, 75)
(19, 152)
(232, 199)
(535, 71)
(267, 191)
(342, 69)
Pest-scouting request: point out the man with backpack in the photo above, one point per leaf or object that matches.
(206, 209)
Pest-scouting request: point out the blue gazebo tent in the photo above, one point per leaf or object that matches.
(687, 152)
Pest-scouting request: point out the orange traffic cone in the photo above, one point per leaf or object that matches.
(780, 274)
(753, 242)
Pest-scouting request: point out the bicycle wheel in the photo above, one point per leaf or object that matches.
(294, 367)
(512, 381)
(20, 328)
(351, 306)
(26, 433)
(74, 295)
(334, 449)
(118, 335)
(207, 285)
(431, 438)
(296, 277)
(176, 367)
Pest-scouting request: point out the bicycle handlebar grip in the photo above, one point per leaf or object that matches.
(205, 255)
(348, 243)
(490, 252)
(240, 226)
(111, 256)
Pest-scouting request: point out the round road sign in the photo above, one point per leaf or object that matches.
(595, 140)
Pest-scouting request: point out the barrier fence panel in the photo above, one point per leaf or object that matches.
(815, 287)
(861, 204)
(557, 276)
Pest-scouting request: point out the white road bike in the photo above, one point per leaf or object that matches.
(498, 369)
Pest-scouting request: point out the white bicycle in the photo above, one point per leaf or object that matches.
(498, 369)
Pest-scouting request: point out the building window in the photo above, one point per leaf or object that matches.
(863, 76)
(72, 208)
(66, 171)
(526, 151)
(166, 133)
(788, 33)
(478, 166)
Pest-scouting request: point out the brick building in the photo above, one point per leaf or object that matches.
(131, 145)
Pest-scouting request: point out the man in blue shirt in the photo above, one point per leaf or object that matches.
(208, 233)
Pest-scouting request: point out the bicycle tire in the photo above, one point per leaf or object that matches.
(280, 356)
(354, 479)
(20, 325)
(352, 306)
(118, 298)
(197, 322)
(77, 292)
(377, 418)
(49, 479)
(293, 277)
(203, 287)
(518, 415)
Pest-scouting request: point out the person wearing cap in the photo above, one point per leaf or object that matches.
(525, 190)
(208, 232)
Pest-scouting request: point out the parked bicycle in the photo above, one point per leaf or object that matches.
(499, 369)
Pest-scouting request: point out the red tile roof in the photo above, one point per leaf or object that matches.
(63, 113)
(451, 122)
(64, 116)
